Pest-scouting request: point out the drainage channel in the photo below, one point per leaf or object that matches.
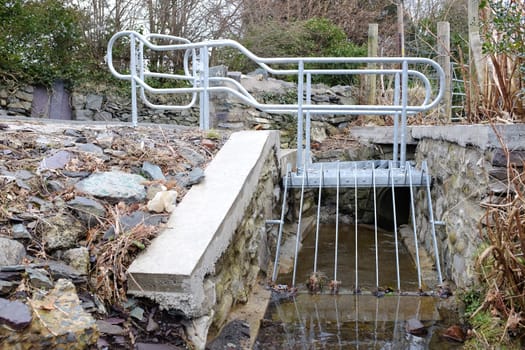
(315, 318)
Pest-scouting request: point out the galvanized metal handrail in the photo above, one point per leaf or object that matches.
(199, 79)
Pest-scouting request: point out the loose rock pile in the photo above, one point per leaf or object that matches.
(77, 204)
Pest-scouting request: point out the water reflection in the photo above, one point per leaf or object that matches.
(350, 322)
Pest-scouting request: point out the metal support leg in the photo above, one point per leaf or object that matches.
(395, 226)
(375, 225)
(281, 224)
(336, 223)
(432, 223)
(413, 215)
(298, 238)
(318, 215)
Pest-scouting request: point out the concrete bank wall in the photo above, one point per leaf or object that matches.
(209, 257)
(468, 167)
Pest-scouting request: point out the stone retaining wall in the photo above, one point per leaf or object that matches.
(226, 112)
(468, 167)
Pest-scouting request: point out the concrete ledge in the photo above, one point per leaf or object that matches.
(172, 270)
(481, 136)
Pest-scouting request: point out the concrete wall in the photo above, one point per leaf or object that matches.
(209, 256)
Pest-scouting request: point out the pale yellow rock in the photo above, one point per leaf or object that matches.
(163, 201)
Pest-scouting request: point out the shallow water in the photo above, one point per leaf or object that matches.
(366, 279)
(348, 320)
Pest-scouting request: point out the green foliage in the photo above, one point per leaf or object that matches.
(472, 300)
(317, 37)
(40, 41)
(505, 32)
(489, 331)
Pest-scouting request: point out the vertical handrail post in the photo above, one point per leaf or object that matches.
(133, 72)
(307, 147)
(397, 92)
(357, 289)
(300, 131)
(204, 95)
(404, 103)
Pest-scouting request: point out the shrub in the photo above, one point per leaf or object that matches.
(40, 41)
(310, 38)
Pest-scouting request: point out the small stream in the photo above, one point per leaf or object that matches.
(348, 320)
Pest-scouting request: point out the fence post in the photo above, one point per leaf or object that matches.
(443, 49)
(373, 30)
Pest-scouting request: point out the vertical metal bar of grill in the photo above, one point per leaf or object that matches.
(414, 227)
(281, 224)
(395, 225)
(432, 222)
(318, 215)
(396, 119)
(336, 222)
(355, 229)
(298, 238)
(133, 73)
(375, 224)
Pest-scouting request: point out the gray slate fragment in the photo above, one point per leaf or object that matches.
(195, 176)
(116, 185)
(11, 252)
(56, 161)
(15, 314)
(153, 171)
(127, 222)
(192, 156)
(90, 148)
(20, 232)
(7, 287)
(88, 210)
(39, 278)
(105, 327)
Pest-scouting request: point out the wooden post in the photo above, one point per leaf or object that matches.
(443, 49)
(401, 28)
(373, 35)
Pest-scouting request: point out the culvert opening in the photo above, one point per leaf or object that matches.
(386, 207)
